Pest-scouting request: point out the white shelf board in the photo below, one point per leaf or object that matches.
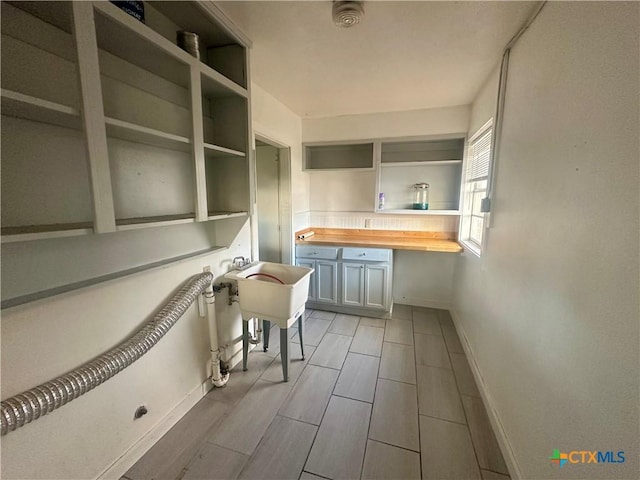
(344, 169)
(27, 237)
(149, 136)
(131, 40)
(409, 211)
(127, 38)
(434, 163)
(151, 222)
(214, 84)
(221, 215)
(217, 151)
(15, 104)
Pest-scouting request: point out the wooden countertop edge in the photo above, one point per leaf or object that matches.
(368, 233)
(422, 245)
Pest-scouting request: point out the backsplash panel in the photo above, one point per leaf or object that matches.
(430, 223)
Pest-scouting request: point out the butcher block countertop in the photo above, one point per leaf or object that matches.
(395, 239)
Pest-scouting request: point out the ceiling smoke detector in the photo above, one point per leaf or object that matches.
(346, 13)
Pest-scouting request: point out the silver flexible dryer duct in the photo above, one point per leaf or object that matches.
(34, 403)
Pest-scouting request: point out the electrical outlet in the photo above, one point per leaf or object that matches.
(367, 223)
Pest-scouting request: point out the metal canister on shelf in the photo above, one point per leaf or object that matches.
(189, 42)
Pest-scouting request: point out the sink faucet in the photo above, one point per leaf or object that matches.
(240, 262)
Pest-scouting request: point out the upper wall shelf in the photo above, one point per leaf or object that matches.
(15, 104)
(131, 40)
(153, 129)
(149, 136)
(437, 162)
(215, 151)
(429, 163)
(41, 232)
(125, 37)
(339, 156)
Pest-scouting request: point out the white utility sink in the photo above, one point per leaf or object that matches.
(272, 291)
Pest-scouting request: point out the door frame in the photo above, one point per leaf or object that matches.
(285, 211)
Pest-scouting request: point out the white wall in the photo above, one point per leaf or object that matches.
(47, 338)
(484, 105)
(343, 199)
(432, 121)
(273, 120)
(550, 312)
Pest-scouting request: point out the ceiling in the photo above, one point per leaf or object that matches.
(402, 56)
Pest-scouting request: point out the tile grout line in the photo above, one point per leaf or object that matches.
(443, 419)
(323, 413)
(396, 446)
(375, 390)
(415, 359)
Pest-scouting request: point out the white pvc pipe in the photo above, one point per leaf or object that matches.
(217, 378)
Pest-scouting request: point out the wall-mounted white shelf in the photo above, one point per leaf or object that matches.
(215, 151)
(219, 47)
(43, 232)
(149, 136)
(127, 38)
(437, 162)
(216, 85)
(434, 163)
(15, 104)
(223, 215)
(150, 222)
(91, 67)
(352, 156)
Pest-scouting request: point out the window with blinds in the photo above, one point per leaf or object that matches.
(476, 178)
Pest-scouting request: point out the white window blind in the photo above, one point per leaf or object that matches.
(476, 179)
(479, 157)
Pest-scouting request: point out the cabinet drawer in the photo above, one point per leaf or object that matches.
(311, 251)
(366, 254)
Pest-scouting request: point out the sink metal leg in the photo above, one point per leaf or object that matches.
(284, 352)
(245, 344)
(301, 333)
(266, 329)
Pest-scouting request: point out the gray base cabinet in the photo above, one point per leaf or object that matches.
(348, 279)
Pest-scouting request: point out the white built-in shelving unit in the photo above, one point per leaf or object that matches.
(357, 155)
(399, 164)
(436, 161)
(107, 125)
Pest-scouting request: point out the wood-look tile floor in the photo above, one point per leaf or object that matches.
(374, 399)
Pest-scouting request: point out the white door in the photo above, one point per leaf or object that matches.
(268, 203)
(353, 284)
(312, 279)
(327, 282)
(376, 280)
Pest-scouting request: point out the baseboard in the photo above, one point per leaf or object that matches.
(131, 456)
(492, 413)
(423, 302)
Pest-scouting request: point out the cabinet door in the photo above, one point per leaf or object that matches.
(376, 281)
(353, 284)
(312, 279)
(326, 282)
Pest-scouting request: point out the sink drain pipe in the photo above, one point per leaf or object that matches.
(43, 399)
(219, 371)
